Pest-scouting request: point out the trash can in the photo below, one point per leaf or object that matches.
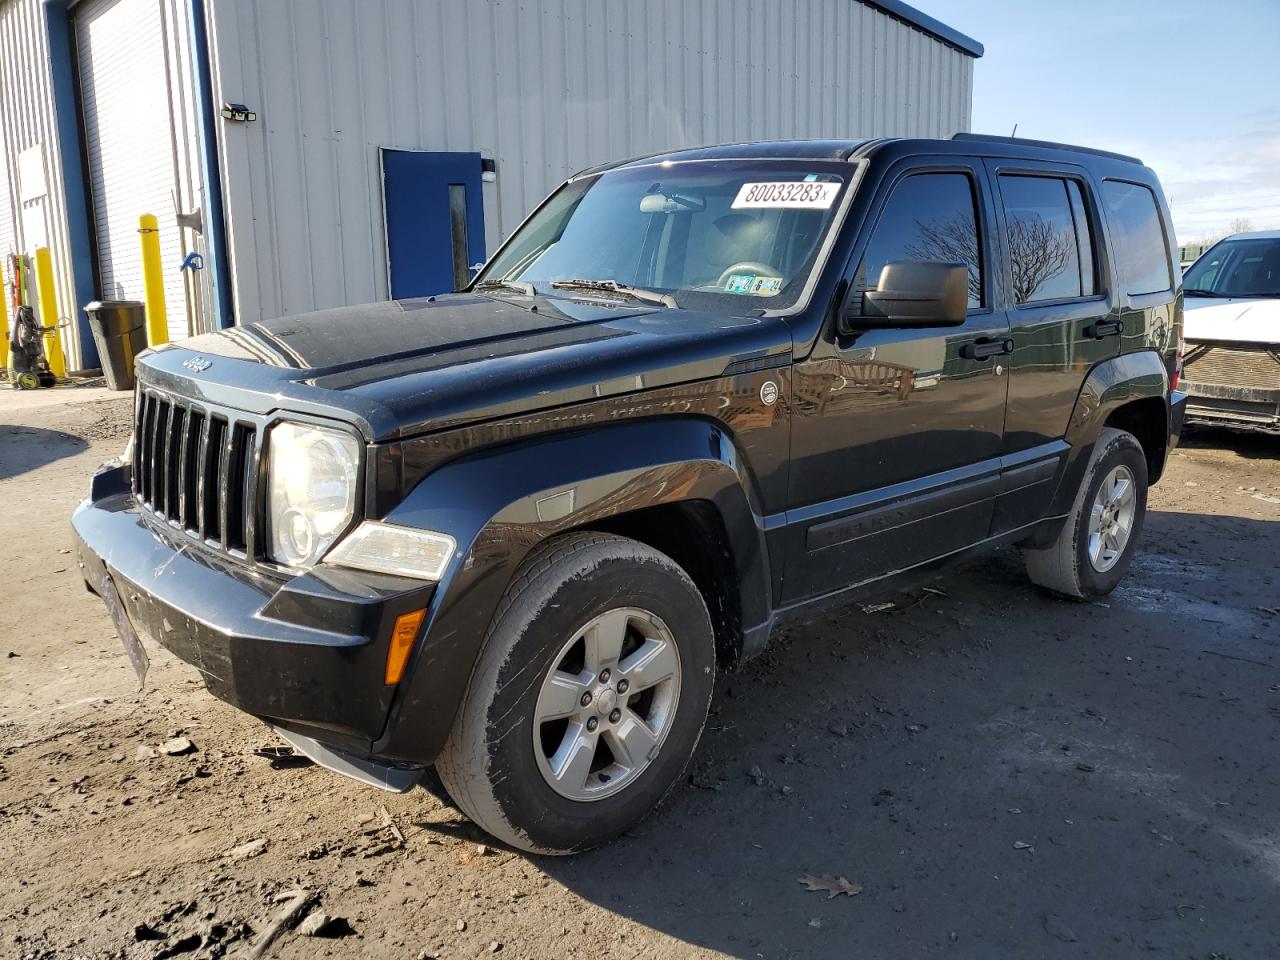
(120, 331)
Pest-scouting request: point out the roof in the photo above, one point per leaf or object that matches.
(927, 24)
(750, 150)
(1255, 235)
(843, 150)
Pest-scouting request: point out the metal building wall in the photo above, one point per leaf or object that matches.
(28, 118)
(545, 87)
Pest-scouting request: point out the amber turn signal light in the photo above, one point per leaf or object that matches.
(402, 637)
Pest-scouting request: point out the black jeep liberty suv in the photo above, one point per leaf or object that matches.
(511, 532)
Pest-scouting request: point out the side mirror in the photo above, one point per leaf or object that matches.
(915, 293)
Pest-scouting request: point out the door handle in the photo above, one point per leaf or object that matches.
(985, 347)
(1104, 328)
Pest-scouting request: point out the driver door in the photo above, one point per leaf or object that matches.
(897, 430)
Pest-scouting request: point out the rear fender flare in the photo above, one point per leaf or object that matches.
(501, 503)
(1109, 386)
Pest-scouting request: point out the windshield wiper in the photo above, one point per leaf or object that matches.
(625, 289)
(519, 286)
(1201, 292)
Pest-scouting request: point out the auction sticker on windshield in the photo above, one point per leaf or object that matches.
(787, 195)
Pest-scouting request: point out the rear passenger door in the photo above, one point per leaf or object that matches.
(1063, 316)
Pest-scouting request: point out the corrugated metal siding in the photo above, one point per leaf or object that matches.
(545, 87)
(27, 117)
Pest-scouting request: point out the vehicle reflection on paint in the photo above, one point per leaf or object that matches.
(758, 430)
(882, 375)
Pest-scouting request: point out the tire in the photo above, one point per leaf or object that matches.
(500, 764)
(1068, 566)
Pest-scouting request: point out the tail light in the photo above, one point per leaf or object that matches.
(1176, 377)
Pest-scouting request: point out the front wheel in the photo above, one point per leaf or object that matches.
(1092, 552)
(588, 699)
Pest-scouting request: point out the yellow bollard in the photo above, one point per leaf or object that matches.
(153, 280)
(4, 320)
(49, 312)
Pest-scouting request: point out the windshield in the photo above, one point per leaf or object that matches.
(730, 236)
(1237, 268)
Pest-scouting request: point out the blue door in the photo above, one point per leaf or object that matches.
(435, 220)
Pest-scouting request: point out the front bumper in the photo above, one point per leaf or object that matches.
(305, 654)
(1241, 408)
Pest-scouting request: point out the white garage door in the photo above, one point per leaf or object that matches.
(8, 237)
(130, 144)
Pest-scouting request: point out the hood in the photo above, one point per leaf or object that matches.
(1244, 319)
(373, 335)
(404, 367)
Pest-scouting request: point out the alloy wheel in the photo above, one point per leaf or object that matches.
(607, 704)
(1111, 519)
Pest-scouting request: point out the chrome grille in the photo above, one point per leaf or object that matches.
(1254, 367)
(195, 468)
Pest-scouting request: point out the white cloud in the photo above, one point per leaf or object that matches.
(1211, 181)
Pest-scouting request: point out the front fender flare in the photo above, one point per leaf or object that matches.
(499, 504)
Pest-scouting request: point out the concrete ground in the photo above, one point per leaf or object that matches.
(14, 404)
(1002, 773)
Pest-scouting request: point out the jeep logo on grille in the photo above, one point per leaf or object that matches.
(198, 364)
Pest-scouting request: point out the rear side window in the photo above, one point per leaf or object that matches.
(1050, 246)
(1142, 254)
(929, 216)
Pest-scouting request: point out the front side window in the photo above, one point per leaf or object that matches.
(929, 216)
(1050, 257)
(1142, 254)
(1248, 267)
(730, 236)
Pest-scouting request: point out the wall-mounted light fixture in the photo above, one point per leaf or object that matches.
(238, 112)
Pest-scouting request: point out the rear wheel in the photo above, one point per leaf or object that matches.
(588, 699)
(1092, 552)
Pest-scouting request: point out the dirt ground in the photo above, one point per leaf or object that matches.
(1004, 774)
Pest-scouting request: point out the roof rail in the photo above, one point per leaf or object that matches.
(1049, 144)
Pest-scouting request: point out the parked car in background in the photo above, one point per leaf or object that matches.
(514, 531)
(1232, 331)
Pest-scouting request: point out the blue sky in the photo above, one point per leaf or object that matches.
(1193, 88)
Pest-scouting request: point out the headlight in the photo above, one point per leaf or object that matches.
(386, 548)
(311, 473)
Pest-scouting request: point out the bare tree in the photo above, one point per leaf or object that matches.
(1036, 250)
(1240, 225)
(953, 240)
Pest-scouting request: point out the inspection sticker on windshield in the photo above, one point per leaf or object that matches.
(753, 285)
(789, 195)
